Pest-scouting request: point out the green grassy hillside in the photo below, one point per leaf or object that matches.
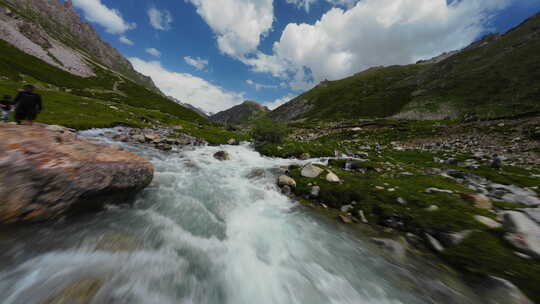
(497, 79)
(79, 102)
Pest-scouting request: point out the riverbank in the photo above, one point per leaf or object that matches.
(431, 183)
(412, 204)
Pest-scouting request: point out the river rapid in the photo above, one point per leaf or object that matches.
(209, 231)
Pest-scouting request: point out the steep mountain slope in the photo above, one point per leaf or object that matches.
(240, 114)
(76, 78)
(54, 32)
(494, 77)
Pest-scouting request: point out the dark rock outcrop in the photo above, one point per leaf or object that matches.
(49, 172)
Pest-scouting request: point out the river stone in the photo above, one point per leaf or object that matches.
(454, 238)
(534, 214)
(81, 292)
(437, 190)
(526, 233)
(256, 173)
(285, 180)
(305, 156)
(139, 138)
(151, 137)
(347, 208)
(286, 190)
(434, 243)
(528, 200)
(117, 243)
(501, 291)
(232, 141)
(432, 208)
(362, 217)
(46, 174)
(345, 219)
(315, 191)
(394, 247)
(332, 177)
(480, 201)
(56, 128)
(311, 171)
(222, 155)
(487, 222)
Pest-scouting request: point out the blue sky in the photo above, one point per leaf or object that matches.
(216, 53)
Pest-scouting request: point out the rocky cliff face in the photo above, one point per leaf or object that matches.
(54, 32)
(47, 172)
(240, 114)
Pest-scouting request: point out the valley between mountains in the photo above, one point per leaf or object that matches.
(355, 191)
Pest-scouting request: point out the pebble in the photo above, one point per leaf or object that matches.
(432, 208)
(433, 190)
(487, 222)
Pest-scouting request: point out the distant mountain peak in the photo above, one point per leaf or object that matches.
(240, 114)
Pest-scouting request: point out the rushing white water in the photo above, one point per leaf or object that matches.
(212, 231)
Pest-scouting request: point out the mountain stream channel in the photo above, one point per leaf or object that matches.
(210, 231)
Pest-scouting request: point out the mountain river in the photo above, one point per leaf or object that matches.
(209, 231)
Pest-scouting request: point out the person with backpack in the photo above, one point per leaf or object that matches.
(28, 105)
(5, 107)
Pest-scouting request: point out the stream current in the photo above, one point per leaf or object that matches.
(209, 231)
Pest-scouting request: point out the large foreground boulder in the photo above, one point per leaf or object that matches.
(46, 173)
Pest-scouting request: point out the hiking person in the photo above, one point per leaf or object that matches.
(5, 107)
(496, 163)
(28, 105)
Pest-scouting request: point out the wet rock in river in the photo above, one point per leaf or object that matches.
(46, 174)
(285, 180)
(499, 290)
(256, 173)
(81, 292)
(305, 156)
(222, 155)
(395, 247)
(117, 243)
(286, 190)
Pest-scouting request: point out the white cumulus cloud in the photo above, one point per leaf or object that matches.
(260, 86)
(160, 19)
(111, 19)
(153, 52)
(197, 62)
(238, 24)
(306, 4)
(374, 33)
(188, 88)
(280, 101)
(125, 40)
